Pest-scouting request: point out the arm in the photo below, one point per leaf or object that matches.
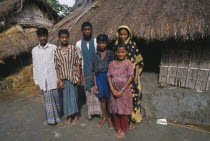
(60, 82)
(130, 78)
(119, 93)
(35, 71)
(96, 87)
(79, 74)
(137, 74)
(138, 63)
(111, 86)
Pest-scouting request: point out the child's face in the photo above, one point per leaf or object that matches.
(123, 35)
(43, 39)
(121, 53)
(87, 31)
(102, 45)
(64, 39)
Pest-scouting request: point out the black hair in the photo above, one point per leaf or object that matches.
(123, 29)
(42, 31)
(121, 45)
(102, 37)
(86, 24)
(63, 31)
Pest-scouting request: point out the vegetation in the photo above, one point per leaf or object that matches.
(62, 9)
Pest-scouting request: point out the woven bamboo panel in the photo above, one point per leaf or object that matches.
(187, 67)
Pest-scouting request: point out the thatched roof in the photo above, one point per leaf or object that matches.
(9, 7)
(148, 19)
(16, 40)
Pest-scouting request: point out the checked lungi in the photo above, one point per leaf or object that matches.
(52, 106)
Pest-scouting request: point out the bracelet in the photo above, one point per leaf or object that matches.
(137, 74)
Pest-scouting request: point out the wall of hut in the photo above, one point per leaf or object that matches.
(186, 64)
(31, 14)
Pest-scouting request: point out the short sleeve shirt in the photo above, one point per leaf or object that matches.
(100, 65)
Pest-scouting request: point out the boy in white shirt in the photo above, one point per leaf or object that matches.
(45, 77)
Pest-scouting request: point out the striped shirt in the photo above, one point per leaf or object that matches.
(67, 63)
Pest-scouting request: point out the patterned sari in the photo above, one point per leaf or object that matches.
(135, 57)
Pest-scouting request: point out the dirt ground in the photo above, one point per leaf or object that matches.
(22, 118)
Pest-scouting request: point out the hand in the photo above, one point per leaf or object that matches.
(60, 84)
(136, 79)
(119, 93)
(79, 83)
(96, 89)
(114, 91)
(37, 87)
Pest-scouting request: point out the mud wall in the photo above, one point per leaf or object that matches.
(177, 104)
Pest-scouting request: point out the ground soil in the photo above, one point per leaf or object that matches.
(22, 118)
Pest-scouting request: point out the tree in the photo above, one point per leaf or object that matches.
(62, 9)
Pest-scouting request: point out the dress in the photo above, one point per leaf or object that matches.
(119, 75)
(135, 57)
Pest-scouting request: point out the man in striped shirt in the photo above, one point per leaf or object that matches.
(68, 70)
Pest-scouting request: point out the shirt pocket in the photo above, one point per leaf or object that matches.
(49, 57)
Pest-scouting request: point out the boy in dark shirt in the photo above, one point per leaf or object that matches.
(101, 61)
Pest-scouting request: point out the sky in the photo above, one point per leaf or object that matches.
(67, 2)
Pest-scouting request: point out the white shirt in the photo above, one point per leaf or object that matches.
(43, 67)
(79, 48)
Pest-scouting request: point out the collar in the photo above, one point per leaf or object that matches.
(46, 46)
(107, 52)
(59, 47)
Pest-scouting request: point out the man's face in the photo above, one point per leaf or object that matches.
(87, 31)
(43, 39)
(64, 38)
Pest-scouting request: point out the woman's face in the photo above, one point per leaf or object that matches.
(123, 35)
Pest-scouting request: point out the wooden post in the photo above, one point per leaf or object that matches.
(188, 69)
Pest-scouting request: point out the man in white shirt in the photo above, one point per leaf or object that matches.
(45, 76)
(86, 49)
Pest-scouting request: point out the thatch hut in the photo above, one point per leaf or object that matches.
(27, 13)
(174, 34)
(18, 22)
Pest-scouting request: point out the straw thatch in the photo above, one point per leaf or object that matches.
(10, 7)
(16, 40)
(148, 19)
(18, 14)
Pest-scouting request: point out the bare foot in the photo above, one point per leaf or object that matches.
(101, 122)
(60, 123)
(121, 135)
(75, 121)
(68, 121)
(88, 119)
(132, 126)
(117, 133)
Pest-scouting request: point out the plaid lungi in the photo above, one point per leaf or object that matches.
(52, 106)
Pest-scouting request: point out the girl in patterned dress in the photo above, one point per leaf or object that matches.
(120, 75)
(134, 55)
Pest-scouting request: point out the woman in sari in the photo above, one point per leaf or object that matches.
(124, 36)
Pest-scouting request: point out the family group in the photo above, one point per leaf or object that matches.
(111, 78)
